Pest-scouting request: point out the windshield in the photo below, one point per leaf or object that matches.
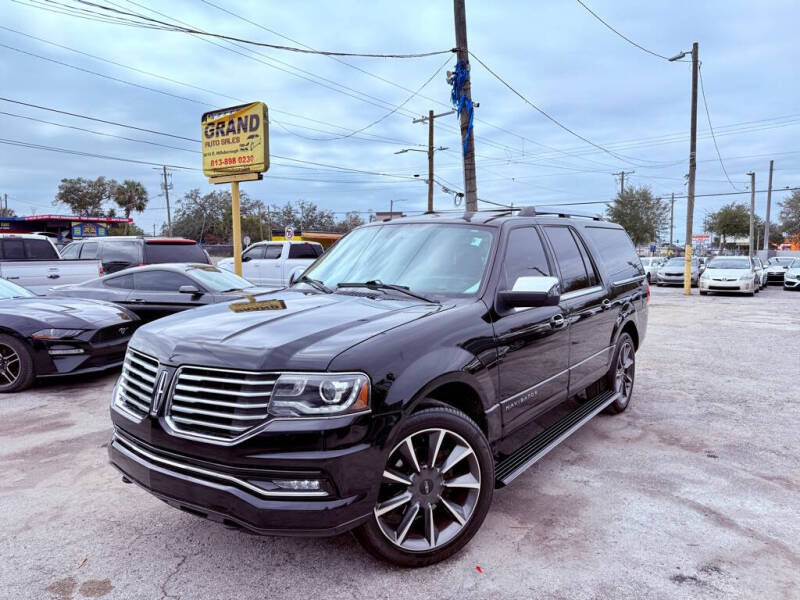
(729, 263)
(217, 280)
(795, 264)
(784, 262)
(12, 290)
(679, 261)
(426, 258)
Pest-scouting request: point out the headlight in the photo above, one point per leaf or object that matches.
(301, 394)
(745, 277)
(56, 334)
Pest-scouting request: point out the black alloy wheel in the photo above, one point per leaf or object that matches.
(16, 365)
(435, 490)
(622, 373)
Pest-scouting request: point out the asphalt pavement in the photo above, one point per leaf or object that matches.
(693, 492)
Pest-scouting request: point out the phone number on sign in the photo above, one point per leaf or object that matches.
(233, 160)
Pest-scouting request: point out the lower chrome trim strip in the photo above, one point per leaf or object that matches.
(134, 451)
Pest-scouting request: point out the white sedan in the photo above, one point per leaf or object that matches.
(730, 274)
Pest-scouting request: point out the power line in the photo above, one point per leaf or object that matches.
(624, 37)
(551, 118)
(135, 19)
(708, 116)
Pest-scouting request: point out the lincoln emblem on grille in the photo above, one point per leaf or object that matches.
(158, 394)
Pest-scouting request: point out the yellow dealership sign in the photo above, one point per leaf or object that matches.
(235, 140)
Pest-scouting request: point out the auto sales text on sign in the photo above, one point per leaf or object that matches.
(236, 140)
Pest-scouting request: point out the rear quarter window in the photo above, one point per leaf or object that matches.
(173, 253)
(304, 251)
(616, 252)
(40, 250)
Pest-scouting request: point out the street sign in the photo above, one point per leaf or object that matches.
(288, 233)
(235, 140)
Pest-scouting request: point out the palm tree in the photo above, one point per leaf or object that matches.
(131, 196)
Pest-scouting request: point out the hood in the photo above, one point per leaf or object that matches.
(672, 269)
(727, 273)
(284, 330)
(776, 268)
(66, 313)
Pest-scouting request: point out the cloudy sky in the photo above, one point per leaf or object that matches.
(554, 53)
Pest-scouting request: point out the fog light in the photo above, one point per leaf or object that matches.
(304, 485)
(65, 351)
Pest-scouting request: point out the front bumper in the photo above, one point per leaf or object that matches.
(246, 496)
(791, 283)
(775, 276)
(673, 279)
(736, 286)
(79, 356)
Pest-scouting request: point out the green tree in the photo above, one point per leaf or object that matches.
(732, 220)
(790, 215)
(643, 216)
(85, 197)
(130, 196)
(7, 212)
(351, 221)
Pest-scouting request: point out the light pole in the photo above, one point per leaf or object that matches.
(750, 240)
(429, 152)
(687, 269)
(391, 206)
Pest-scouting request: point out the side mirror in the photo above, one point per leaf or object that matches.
(530, 292)
(247, 258)
(190, 289)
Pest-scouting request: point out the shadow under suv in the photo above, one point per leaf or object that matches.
(411, 370)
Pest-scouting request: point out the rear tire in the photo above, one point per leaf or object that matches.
(703, 293)
(622, 373)
(16, 365)
(436, 489)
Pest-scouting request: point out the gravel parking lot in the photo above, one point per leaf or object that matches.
(693, 492)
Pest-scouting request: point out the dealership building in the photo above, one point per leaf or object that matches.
(63, 227)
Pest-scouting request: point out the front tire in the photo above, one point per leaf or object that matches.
(16, 365)
(622, 373)
(436, 489)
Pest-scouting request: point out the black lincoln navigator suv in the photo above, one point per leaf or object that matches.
(411, 370)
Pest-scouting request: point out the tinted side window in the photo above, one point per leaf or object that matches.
(570, 262)
(89, 250)
(525, 257)
(302, 251)
(273, 251)
(160, 281)
(169, 253)
(121, 252)
(71, 251)
(123, 281)
(255, 252)
(616, 252)
(13, 249)
(40, 250)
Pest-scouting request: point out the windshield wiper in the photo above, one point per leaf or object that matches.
(377, 284)
(315, 283)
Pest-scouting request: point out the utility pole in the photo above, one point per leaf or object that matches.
(621, 175)
(467, 137)
(769, 201)
(429, 119)
(671, 222)
(687, 268)
(751, 241)
(166, 195)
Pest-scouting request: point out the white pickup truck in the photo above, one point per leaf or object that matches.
(272, 264)
(33, 262)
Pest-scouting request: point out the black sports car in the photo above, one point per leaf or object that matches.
(43, 336)
(155, 291)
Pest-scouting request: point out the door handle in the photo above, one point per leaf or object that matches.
(139, 300)
(53, 276)
(606, 304)
(557, 321)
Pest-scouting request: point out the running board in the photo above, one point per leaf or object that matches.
(517, 463)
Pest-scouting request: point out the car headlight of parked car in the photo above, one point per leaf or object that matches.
(325, 394)
(56, 334)
(745, 277)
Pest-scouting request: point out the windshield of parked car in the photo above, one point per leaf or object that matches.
(679, 261)
(12, 290)
(784, 262)
(795, 264)
(427, 258)
(729, 263)
(217, 280)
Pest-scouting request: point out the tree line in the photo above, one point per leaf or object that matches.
(646, 218)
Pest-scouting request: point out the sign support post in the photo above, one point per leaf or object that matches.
(237, 229)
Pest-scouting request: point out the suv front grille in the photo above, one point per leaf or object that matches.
(137, 383)
(219, 403)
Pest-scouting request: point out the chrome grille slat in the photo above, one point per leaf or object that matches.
(237, 429)
(212, 413)
(182, 398)
(227, 403)
(192, 388)
(136, 386)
